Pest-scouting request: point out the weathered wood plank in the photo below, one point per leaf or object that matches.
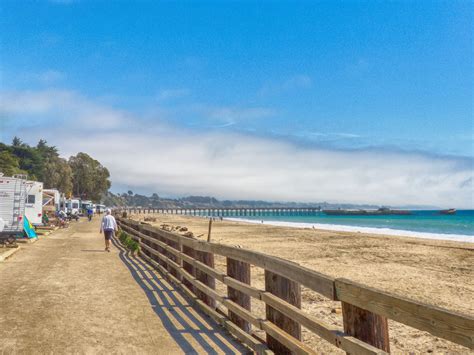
(243, 287)
(188, 260)
(209, 270)
(366, 326)
(293, 345)
(242, 313)
(239, 271)
(207, 259)
(289, 291)
(331, 334)
(458, 328)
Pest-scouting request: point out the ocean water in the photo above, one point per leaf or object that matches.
(424, 224)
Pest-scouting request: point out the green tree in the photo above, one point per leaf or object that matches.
(110, 199)
(90, 178)
(31, 161)
(17, 142)
(47, 152)
(83, 175)
(56, 172)
(9, 164)
(58, 175)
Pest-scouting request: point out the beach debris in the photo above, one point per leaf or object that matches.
(183, 229)
(150, 219)
(166, 227)
(336, 310)
(188, 234)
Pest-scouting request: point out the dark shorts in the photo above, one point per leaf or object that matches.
(108, 234)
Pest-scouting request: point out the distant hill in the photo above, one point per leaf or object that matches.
(154, 201)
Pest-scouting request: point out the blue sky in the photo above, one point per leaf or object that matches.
(349, 77)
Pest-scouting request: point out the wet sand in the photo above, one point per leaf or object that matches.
(431, 271)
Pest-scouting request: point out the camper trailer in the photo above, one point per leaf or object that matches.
(100, 209)
(34, 202)
(12, 206)
(85, 205)
(51, 200)
(73, 206)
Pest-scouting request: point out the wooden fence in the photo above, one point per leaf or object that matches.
(189, 263)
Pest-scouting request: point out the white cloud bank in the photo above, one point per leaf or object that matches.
(170, 160)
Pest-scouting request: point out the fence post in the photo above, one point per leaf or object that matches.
(188, 267)
(366, 326)
(174, 245)
(209, 281)
(147, 243)
(290, 291)
(240, 271)
(161, 251)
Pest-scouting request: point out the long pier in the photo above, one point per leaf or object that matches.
(230, 212)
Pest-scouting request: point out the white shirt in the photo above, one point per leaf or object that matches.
(108, 223)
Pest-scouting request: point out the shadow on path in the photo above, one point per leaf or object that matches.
(169, 307)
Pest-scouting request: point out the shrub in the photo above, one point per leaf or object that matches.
(128, 241)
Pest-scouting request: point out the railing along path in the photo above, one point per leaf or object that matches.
(189, 263)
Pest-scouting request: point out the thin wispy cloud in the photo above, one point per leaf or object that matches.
(294, 83)
(170, 94)
(334, 135)
(224, 116)
(30, 108)
(240, 113)
(170, 160)
(49, 77)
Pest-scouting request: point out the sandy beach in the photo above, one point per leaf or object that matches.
(431, 271)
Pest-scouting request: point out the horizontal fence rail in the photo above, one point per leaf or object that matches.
(189, 263)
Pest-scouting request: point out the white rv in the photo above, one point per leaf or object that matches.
(100, 209)
(73, 206)
(12, 205)
(34, 202)
(85, 205)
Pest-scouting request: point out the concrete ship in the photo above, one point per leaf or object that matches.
(449, 211)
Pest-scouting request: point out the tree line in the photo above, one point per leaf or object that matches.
(80, 176)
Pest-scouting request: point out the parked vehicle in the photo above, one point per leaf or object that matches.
(12, 206)
(34, 202)
(73, 206)
(72, 216)
(100, 209)
(85, 205)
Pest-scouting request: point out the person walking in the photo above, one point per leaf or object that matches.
(108, 226)
(90, 213)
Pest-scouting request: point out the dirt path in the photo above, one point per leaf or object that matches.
(64, 294)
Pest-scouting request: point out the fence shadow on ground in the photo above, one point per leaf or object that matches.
(164, 301)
